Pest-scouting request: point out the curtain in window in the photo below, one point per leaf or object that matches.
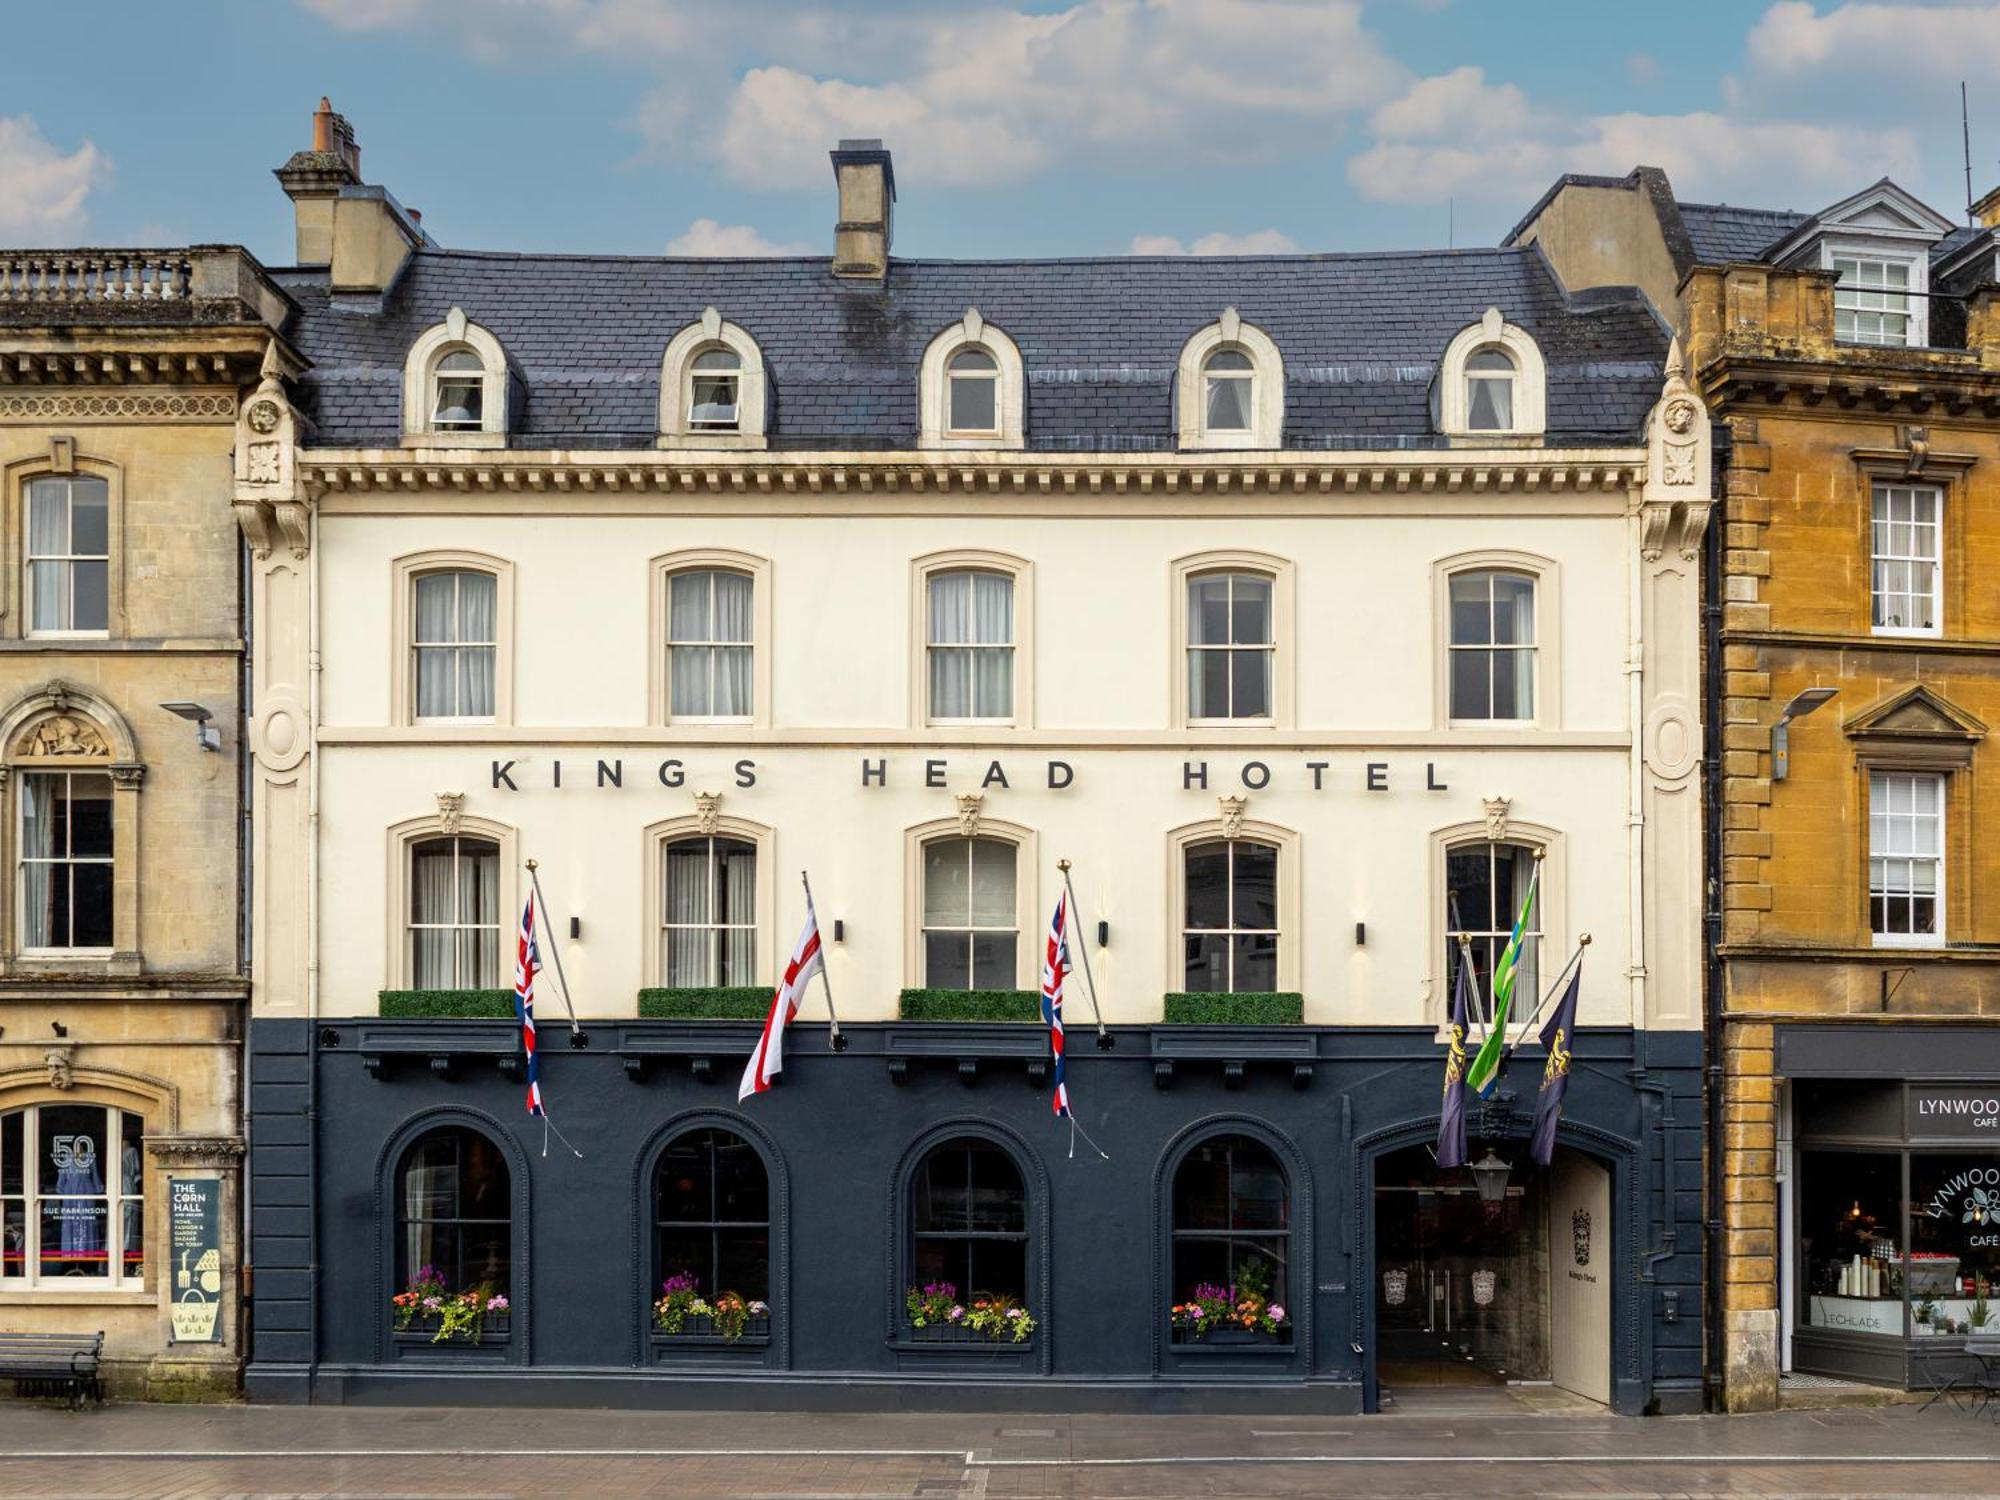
(688, 596)
(971, 638)
(479, 909)
(431, 941)
(688, 914)
(951, 671)
(739, 907)
(993, 624)
(48, 538)
(38, 844)
(478, 611)
(732, 664)
(436, 670)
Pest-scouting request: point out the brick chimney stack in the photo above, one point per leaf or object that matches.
(867, 185)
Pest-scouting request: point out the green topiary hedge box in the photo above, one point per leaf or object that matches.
(1268, 1008)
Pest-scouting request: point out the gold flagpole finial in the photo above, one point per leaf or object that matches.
(1584, 941)
(533, 865)
(1063, 865)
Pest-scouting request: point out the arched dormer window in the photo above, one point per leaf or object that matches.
(712, 387)
(1492, 382)
(455, 387)
(1231, 392)
(971, 388)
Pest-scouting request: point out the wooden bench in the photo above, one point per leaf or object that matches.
(52, 1364)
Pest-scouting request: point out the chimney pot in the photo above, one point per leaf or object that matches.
(866, 182)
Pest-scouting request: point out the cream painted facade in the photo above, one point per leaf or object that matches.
(120, 374)
(1605, 778)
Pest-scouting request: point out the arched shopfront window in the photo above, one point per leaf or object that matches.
(1232, 1223)
(72, 1197)
(969, 1220)
(454, 1212)
(712, 1215)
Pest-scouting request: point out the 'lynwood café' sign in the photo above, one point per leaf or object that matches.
(1057, 775)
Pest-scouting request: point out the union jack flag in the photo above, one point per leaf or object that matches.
(527, 964)
(1055, 967)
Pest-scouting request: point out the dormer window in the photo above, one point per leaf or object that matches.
(455, 387)
(458, 384)
(1231, 388)
(1229, 380)
(714, 389)
(970, 388)
(974, 378)
(1489, 391)
(1491, 382)
(1870, 301)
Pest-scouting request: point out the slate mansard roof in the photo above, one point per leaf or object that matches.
(1722, 232)
(1361, 337)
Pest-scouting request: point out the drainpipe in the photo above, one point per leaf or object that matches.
(1711, 835)
(1635, 802)
(312, 941)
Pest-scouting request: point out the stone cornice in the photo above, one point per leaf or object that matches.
(1441, 471)
(1916, 382)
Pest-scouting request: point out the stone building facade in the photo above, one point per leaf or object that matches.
(123, 978)
(1851, 358)
(1300, 606)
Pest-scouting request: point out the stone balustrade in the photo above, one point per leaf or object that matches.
(55, 277)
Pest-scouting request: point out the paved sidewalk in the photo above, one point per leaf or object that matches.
(240, 1451)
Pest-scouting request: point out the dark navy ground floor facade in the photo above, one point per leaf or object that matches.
(338, 1105)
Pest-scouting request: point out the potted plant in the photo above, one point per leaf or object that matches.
(1242, 1313)
(682, 1312)
(937, 1316)
(429, 1306)
(1926, 1310)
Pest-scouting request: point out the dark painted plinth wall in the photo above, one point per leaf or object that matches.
(334, 1103)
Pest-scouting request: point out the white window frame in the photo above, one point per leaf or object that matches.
(1916, 311)
(710, 332)
(420, 371)
(652, 879)
(713, 929)
(1231, 848)
(972, 929)
(1027, 892)
(64, 862)
(29, 557)
(1266, 432)
(502, 968)
(419, 646)
(955, 377)
(1291, 941)
(1483, 999)
(1283, 615)
(973, 648)
(1547, 574)
(1879, 492)
(1191, 647)
(934, 380)
(1878, 777)
(732, 375)
(672, 643)
(404, 574)
(972, 560)
(1531, 382)
(31, 1199)
(1532, 648)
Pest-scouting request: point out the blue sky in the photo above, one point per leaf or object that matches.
(1047, 127)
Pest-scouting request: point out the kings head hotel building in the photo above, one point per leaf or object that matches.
(1314, 632)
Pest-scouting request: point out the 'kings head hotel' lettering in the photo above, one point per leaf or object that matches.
(1057, 775)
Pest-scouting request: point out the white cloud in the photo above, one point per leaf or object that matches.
(1257, 242)
(1458, 136)
(45, 187)
(994, 94)
(1943, 40)
(707, 237)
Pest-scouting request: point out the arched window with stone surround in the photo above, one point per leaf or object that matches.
(712, 386)
(72, 778)
(1230, 392)
(456, 387)
(971, 388)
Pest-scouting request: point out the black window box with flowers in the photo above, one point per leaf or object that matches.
(945, 1346)
(419, 1340)
(700, 1342)
(1234, 1339)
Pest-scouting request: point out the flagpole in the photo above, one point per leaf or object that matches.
(1083, 947)
(834, 1038)
(1575, 958)
(555, 949)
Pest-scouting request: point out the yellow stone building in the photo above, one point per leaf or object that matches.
(123, 979)
(1851, 359)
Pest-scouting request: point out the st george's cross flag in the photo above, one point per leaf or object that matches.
(1055, 967)
(527, 964)
(768, 1060)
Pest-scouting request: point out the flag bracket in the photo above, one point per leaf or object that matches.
(1232, 1073)
(1038, 1074)
(1163, 1074)
(899, 1071)
(968, 1071)
(1302, 1076)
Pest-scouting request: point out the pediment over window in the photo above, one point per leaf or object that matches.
(1914, 727)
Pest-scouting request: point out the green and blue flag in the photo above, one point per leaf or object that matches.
(1484, 1074)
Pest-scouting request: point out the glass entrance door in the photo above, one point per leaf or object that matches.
(1461, 1285)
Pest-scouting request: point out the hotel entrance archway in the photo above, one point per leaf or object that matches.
(1478, 1291)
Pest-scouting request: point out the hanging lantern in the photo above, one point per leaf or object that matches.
(1489, 1175)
